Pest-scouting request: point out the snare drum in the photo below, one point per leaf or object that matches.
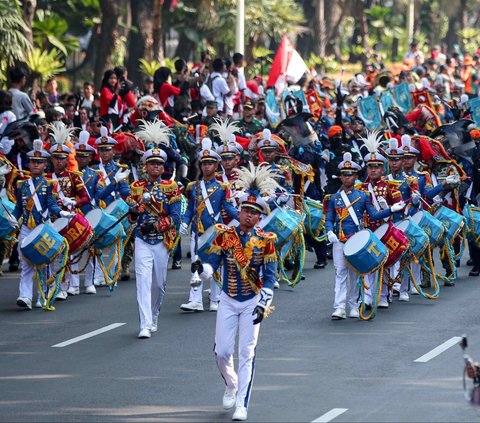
(205, 242)
(42, 244)
(314, 210)
(118, 209)
(77, 231)
(472, 215)
(283, 223)
(365, 252)
(395, 241)
(6, 210)
(417, 237)
(431, 225)
(451, 220)
(100, 222)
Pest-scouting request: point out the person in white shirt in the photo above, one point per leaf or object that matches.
(22, 106)
(220, 88)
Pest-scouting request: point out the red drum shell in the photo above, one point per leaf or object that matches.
(395, 240)
(77, 233)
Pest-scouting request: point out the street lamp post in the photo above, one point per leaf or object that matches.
(240, 27)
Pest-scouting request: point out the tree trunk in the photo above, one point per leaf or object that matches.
(185, 48)
(395, 41)
(29, 7)
(333, 17)
(140, 41)
(451, 38)
(157, 47)
(463, 21)
(110, 12)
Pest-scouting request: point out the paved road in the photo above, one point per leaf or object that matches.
(307, 365)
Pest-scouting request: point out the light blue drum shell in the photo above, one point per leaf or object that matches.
(118, 209)
(417, 237)
(282, 223)
(431, 225)
(100, 221)
(42, 244)
(314, 211)
(364, 252)
(451, 220)
(472, 215)
(5, 228)
(205, 242)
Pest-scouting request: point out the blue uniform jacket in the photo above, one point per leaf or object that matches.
(113, 190)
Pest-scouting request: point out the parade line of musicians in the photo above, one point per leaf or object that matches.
(234, 188)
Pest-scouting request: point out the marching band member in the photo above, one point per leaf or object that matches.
(206, 198)
(36, 198)
(157, 220)
(383, 194)
(94, 184)
(345, 210)
(71, 192)
(246, 293)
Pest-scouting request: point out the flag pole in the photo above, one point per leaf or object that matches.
(240, 27)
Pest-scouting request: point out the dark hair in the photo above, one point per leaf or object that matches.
(217, 65)
(180, 65)
(5, 101)
(87, 84)
(120, 71)
(203, 55)
(228, 62)
(160, 77)
(237, 58)
(52, 78)
(106, 76)
(52, 114)
(16, 73)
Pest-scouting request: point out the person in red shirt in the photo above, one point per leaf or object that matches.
(110, 101)
(164, 89)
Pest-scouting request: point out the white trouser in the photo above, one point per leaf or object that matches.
(196, 295)
(93, 273)
(28, 272)
(233, 316)
(150, 262)
(345, 280)
(371, 281)
(75, 278)
(406, 280)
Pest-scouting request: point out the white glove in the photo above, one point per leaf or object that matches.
(416, 199)
(332, 238)
(5, 169)
(283, 198)
(121, 175)
(326, 155)
(184, 228)
(69, 202)
(397, 207)
(12, 221)
(266, 297)
(452, 180)
(382, 203)
(146, 197)
(66, 214)
(437, 199)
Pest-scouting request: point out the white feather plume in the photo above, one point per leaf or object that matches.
(258, 178)
(206, 144)
(406, 140)
(103, 131)
(60, 133)
(155, 132)
(83, 137)
(267, 134)
(373, 140)
(347, 157)
(37, 145)
(224, 128)
(393, 143)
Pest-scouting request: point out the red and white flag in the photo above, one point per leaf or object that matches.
(287, 65)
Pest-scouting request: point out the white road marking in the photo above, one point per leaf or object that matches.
(88, 335)
(438, 350)
(328, 417)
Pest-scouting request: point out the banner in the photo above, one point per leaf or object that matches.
(402, 96)
(422, 97)
(474, 105)
(369, 112)
(314, 102)
(386, 101)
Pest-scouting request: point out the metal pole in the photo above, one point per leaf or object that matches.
(240, 27)
(410, 19)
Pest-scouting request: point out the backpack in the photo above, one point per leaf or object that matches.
(209, 82)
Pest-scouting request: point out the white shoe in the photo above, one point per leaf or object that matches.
(229, 398)
(396, 287)
(154, 326)
(73, 290)
(62, 296)
(192, 306)
(383, 304)
(240, 414)
(38, 304)
(404, 297)
(24, 302)
(338, 314)
(276, 284)
(213, 305)
(90, 289)
(99, 282)
(144, 334)
(354, 314)
(413, 290)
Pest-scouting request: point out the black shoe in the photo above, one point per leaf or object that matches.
(470, 262)
(319, 265)
(452, 283)
(367, 307)
(177, 264)
(457, 263)
(302, 278)
(474, 272)
(288, 264)
(125, 277)
(13, 267)
(189, 255)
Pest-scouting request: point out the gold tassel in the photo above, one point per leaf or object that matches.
(31, 222)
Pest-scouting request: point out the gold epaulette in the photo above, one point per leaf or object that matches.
(359, 186)
(51, 181)
(123, 166)
(168, 186)
(77, 173)
(137, 188)
(220, 227)
(267, 235)
(191, 185)
(224, 185)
